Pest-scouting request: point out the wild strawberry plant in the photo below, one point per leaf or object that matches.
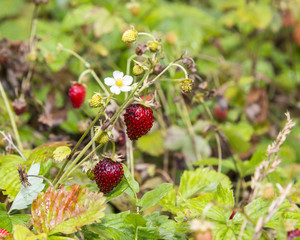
(100, 170)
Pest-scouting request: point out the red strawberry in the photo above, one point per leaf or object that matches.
(293, 234)
(220, 113)
(77, 95)
(138, 120)
(3, 232)
(108, 174)
(19, 105)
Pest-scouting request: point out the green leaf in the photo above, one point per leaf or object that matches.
(135, 219)
(44, 152)
(118, 190)
(83, 14)
(151, 198)
(54, 206)
(130, 180)
(201, 181)
(215, 162)
(151, 143)
(23, 233)
(27, 194)
(61, 153)
(113, 226)
(238, 135)
(165, 226)
(224, 233)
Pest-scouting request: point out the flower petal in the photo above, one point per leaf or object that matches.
(118, 74)
(109, 81)
(115, 89)
(125, 88)
(127, 80)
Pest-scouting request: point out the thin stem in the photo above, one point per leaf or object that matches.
(217, 137)
(81, 139)
(182, 68)
(87, 65)
(8, 138)
(33, 25)
(11, 117)
(219, 151)
(129, 63)
(113, 149)
(83, 74)
(99, 82)
(146, 34)
(83, 160)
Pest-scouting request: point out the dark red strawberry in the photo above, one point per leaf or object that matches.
(138, 120)
(19, 105)
(293, 234)
(108, 174)
(77, 95)
(3, 232)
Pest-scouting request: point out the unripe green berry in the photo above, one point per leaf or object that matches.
(103, 138)
(153, 45)
(137, 70)
(186, 85)
(90, 174)
(130, 36)
(96, 101)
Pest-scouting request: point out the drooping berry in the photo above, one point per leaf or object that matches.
(130, 36)
(186, 85)
(103, 138)
(96, 101)
(90, 174)
(232, 215)
(19, 105)
(293, 234)
(138, 120)
(137, 70)
(3, 232)
(77, 95)
(108, 174)
(153, 45)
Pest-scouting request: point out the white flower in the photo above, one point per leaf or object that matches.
(119, 82)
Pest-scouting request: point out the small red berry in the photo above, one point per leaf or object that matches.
(138, 120)
(3, 232)
(19, 105)
(220, 113)
(108, 174)
(77, 95)
(293, 234)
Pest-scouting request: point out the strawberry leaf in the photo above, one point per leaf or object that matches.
(63, 211)
(201, 181)
(151, 198)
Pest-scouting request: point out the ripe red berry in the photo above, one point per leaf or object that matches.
(108, 174)
(3, 232)
(293, 234)
(220, 113)
(138, 120)
(77, 95)
(19, 105)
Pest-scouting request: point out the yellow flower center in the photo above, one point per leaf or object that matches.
(119, 82)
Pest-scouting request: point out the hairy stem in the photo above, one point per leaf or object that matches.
(11, 117)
